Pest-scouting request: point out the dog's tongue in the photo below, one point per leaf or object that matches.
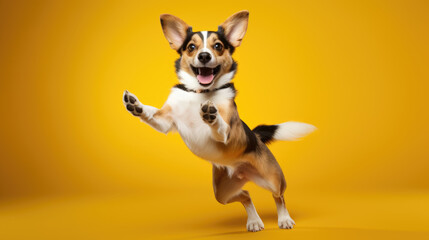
(205, 75)
(205, 79)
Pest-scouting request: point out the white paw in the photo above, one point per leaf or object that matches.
(254, 225)
(286, 222)
(132, 104)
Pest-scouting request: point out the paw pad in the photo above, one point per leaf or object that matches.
(132, 104)
(208, 112)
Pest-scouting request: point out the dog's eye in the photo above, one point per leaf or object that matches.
(191, 47)
(218, 47)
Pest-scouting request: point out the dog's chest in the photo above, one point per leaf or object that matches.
(196, 134)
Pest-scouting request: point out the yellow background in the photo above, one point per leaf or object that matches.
(74, 163)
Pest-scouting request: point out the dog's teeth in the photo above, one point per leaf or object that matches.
(199, 71)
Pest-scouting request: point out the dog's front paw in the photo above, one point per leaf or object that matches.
(286, 222)
(208, 112)
(132, 104)
(254, 225)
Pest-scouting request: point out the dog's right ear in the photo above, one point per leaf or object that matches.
(175, 30)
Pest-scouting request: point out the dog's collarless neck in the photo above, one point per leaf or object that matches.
(184, 88)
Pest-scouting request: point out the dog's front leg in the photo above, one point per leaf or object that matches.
(159, 119)
(210, 115)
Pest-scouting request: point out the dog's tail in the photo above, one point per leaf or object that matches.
(288, 131)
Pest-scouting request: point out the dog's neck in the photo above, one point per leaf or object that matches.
(184, 88)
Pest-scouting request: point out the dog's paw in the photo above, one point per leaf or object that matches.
(132, 104)
(254, 225)
(286, 222)
(208, 112)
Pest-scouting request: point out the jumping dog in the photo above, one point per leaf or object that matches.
(202, 109)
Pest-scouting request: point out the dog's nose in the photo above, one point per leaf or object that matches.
(204, 57)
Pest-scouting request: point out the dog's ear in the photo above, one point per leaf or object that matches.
(175, 30)
(235, 27)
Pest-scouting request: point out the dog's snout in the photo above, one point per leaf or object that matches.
(204, 57)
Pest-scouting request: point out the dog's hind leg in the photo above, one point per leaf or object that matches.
(284, 219)
(227, 189)
(272, 179)
(159, 119)
(276, 183)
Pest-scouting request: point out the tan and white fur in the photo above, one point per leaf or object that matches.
(202, 109)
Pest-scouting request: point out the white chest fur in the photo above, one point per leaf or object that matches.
(186, 116)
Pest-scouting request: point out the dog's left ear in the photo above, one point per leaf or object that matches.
(235, 27)
(175, 30)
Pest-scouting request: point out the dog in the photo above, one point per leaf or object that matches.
(202, 109)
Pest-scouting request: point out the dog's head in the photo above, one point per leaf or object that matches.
(205, 57)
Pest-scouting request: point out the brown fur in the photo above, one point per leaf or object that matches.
(237, 141)
(163, 112)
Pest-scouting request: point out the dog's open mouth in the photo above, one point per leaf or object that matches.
(205, 75)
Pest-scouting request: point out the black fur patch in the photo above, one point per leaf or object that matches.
(182, 87)
(189, 34)
(221, 34)
(252, 142)
(266, 132)
(233, 66)
(201, 35)
(177, 64)
(228, 85)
